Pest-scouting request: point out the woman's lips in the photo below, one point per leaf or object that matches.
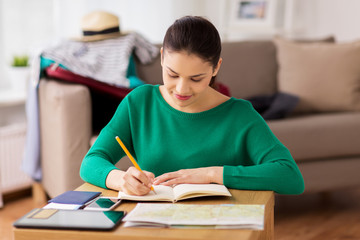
(181, 97)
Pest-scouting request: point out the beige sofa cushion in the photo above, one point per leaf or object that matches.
(326, 76)
(65, 121)
(249, 68)
(320, 136)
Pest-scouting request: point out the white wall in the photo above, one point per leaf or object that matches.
(25, 26)
(316, 18)
(151, 18)
(2, 62)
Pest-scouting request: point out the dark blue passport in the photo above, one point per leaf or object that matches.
(75, 197)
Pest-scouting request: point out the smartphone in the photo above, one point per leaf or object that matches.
(103, 204)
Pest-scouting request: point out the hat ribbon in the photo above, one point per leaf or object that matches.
(105, 31)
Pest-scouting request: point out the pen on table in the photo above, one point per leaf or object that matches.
(131, 157)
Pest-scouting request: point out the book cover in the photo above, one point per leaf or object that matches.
(74, 197)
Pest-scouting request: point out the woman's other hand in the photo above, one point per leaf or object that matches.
(133, 181)
(196, 175)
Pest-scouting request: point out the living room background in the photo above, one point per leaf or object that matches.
(27, 26)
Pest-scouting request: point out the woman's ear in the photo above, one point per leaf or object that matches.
(161, 56)
(217, 68)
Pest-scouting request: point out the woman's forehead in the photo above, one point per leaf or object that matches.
(184, 56)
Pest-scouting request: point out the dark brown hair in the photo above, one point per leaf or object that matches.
(196, 35)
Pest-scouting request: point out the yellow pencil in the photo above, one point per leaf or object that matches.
(131, 157)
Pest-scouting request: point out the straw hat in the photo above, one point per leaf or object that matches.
(99, 25)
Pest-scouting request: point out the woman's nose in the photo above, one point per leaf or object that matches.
(182, 86)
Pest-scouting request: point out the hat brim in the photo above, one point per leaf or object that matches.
(98, 37)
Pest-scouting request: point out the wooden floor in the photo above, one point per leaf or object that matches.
(309, 216)
(334, 216)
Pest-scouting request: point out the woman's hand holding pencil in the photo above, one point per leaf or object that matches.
(135, 176)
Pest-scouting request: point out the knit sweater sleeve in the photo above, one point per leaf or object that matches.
(106, 152)
(272, 166)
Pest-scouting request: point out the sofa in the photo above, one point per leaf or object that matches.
(323, 142)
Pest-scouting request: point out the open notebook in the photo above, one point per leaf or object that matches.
(179, 192)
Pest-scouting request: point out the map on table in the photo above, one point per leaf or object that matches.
(194, 215)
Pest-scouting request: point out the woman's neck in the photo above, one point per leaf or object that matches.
(210, 99)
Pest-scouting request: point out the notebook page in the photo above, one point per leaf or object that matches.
(193, 190)
(163, 193)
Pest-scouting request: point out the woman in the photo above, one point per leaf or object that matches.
(184, 131)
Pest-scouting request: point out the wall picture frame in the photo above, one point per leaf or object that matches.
(253, 17)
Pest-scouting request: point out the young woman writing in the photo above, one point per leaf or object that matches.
(184, 131)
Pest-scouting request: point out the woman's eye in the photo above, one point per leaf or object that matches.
(173, 76)
(196, 80)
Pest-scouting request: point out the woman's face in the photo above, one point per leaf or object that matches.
(186, 79)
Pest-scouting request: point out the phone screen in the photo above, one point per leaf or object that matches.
(103, 204)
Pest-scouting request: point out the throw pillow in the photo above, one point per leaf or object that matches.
(325, 76)
(275, 106)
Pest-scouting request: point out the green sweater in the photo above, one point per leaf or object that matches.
(163, 139)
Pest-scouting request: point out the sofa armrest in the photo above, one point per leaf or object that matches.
(65, 130)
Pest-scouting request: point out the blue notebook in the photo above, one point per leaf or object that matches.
(75, 197)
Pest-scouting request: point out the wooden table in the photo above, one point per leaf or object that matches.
(238, 197)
